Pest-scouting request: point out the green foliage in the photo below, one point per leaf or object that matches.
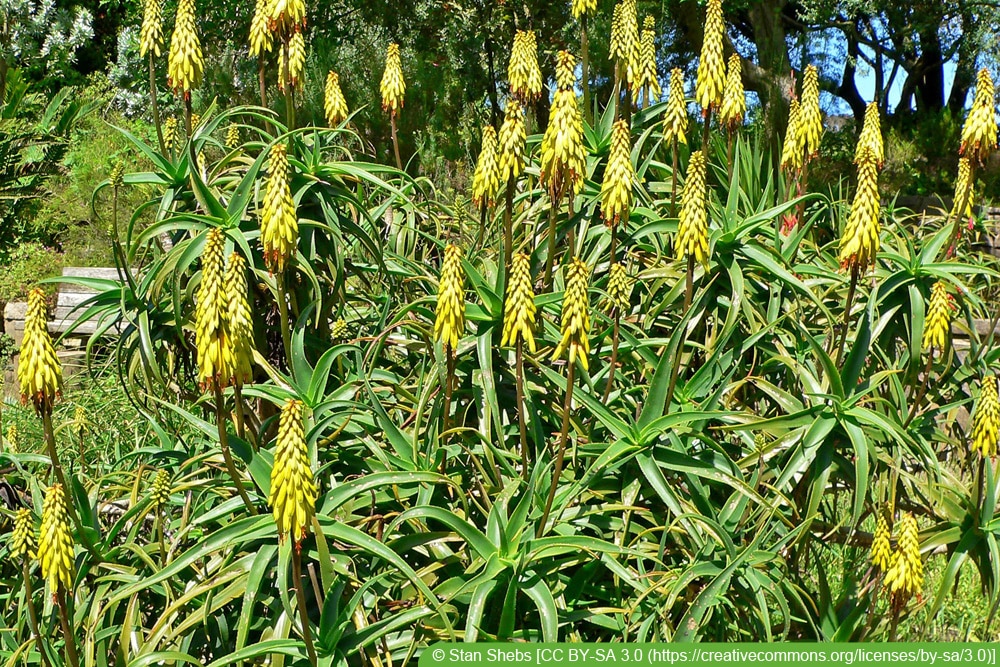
(24, 266)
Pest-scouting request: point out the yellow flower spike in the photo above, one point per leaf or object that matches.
(937, 323)
(393, 86)
(810, 117)
(22, 539)
(584, 8)
(233, 136)
(619, 289)
(563, 159)
(449, 316)
(616, 44)
(12, 438)
(734, 99)
(160, 494)
(513, 135)
(711, 66)
(675, 121)
(486, 178)
(279, 225)
(339, 329)
(334, 104)
(170, 132)
(575, 322)
(630, 60)
(619, 176)
(979, 134)
(117, 175)
(649, 80)
(55, 543)
(881, 551)
(286, 15)
(38, 371)
(240, 319)
(151, 33)
(213, 334)
(871, 136)
(185, 62)
(860, 242)
(986, 420)
(293, 61)
(519, 307)
(692, 227)
(293, 490)
(523, 73)
(964, 191)
(261, 39)
(792, 150)
(905, 576)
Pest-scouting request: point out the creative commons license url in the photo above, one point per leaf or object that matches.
(628, 656)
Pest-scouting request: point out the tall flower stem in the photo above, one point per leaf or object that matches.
(521, 417)
(449, 381)
(551, 252)
(688, 294)
(729, 155)
(922, 391)
(286, 329)
(187, 121)
(508, 222)
(707, 131)
(227, 455)
(155, 106)
(561, 452)
(300, 595)
(29, 602)
(70, 640)
(855, 272)
(239, 412)
(395, 140)
(614, 356)
(50, 445)
(261, 80)
(160, 536)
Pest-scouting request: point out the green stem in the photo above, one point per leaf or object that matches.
(923, 388)
(847, 313)
(614, 357)
(303, 609)
(508, 222)
(706, 132)
(521, 417)
(551, 253)
(448, 382)
(239, 412)
(261, 80)
(71, 656)
(29, 602)
(227, 456)
(286, 330)
(688, 292)
(155, 106)
(561, 453)
(395, 140)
